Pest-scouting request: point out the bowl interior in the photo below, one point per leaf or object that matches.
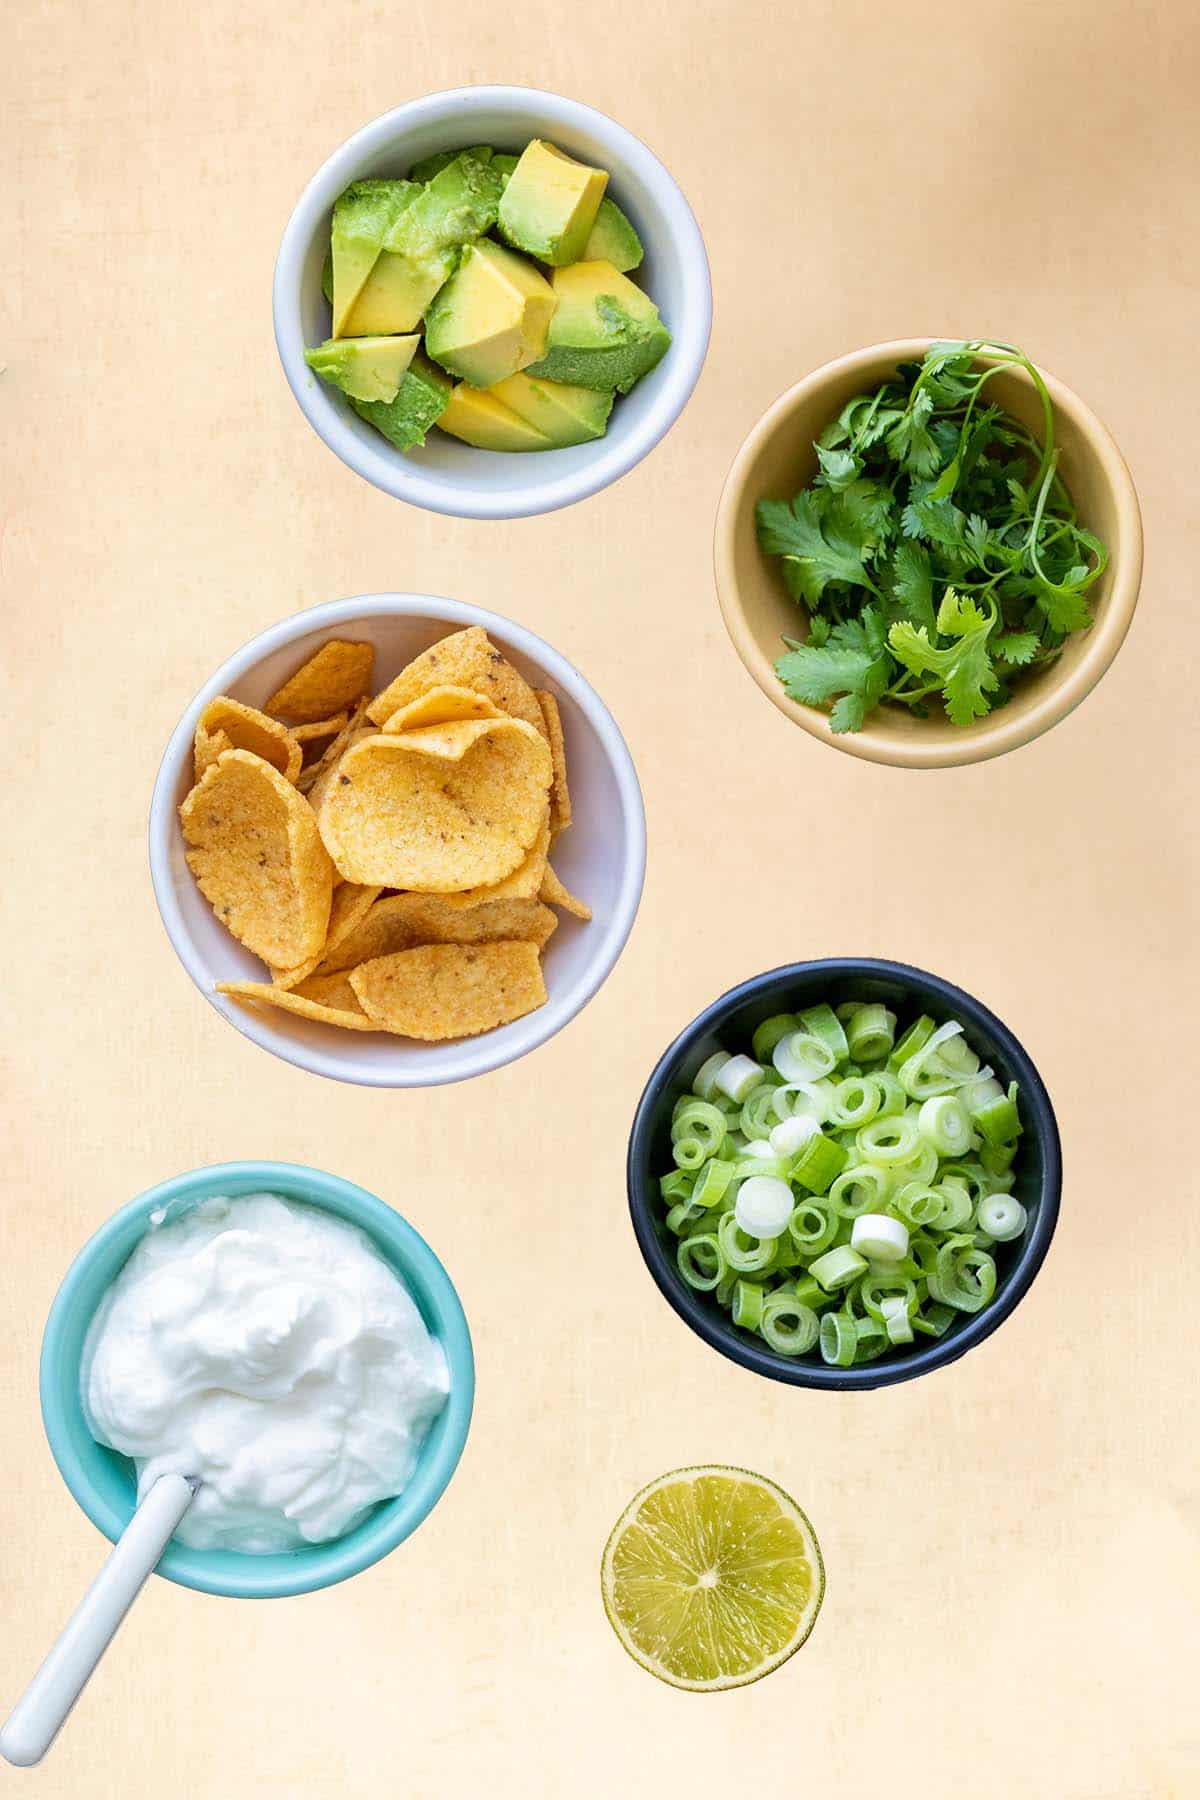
(104, 1483)
(729, 1025)
(779, 461)
(652, 205)
(600, 857)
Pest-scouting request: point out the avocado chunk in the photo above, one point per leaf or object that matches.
(491, 317)
(605, 332)
(419, 403)
(550, 204)
(613, 239)
(327, 276)
(421, 249)
(565, 415)
(362, 218)
(429, 166)
(480, 419)
(369, 368)
(504, 165)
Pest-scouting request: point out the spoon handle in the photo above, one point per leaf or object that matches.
(35, 1720)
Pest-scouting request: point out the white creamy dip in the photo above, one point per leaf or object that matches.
(267, 1348)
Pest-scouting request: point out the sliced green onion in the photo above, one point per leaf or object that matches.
(890, 1140)
(943, 1122)
(683, 1214)
(1002, 1217)
(957, 1204)
(837, 1268)
(677, 1185)
(700, 1262)
(859, 1189)
(789, 1327)
(856, 1101)
(914, 1039)
(892, 1097)
(999, 1122)
(737, 1076)
(822, 1022)
(818, 1163)
(838, 1339)
(688, 1152)
(812, 1227)
(758, 1110)
(925, 1072)
(934, 1321)
(748, 1305)
(702, 1120)
(712, 1183)
(875, 1290)
(880, 1238)
(804, 1100)
(763, 1206)
(749, 1256)
(769, 1033)
(707, 1075)
(870, 1033)
(789, 1137)
(810, 1293)
(997, 1159)
(803, 1057)
(896, 1321)
(964, 1277)
(917, 1203)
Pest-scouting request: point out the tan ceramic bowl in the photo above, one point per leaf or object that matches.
(777, 460)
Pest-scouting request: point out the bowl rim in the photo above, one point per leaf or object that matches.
(1001, 731)
(325, 1564)
(482, 1054)
(940, 1352)
(387, 468)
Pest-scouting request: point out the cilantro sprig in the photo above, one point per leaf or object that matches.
(936, 549)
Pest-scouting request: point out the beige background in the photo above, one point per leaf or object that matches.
(1012, 1545)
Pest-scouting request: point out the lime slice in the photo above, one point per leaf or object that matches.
(712, 1577)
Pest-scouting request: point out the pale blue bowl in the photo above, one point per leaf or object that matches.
(103, 1482)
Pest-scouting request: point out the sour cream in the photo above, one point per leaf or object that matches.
(267, 1348)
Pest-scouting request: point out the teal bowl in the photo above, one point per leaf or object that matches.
(104, 1482)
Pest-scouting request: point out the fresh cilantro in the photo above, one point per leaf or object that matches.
(936, 549)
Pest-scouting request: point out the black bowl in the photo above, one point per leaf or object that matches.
(728, 1024)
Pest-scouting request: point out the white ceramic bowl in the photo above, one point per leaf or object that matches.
(447, 476)
(602, 857)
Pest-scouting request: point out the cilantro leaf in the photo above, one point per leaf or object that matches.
(838, 467)
(818, 539)
(910, 441)
(853, 664)
(963, 668)
(911, 579)
(1016, 647)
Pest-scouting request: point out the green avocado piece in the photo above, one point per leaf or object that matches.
(605, 332)
(327, 276)
(429, 166)
(550, 203)
(420, 401)
(423, 248)
(362, 218)
(476, 417)
(364, 368)
(504, 165)
(565, 415)
(613, 239)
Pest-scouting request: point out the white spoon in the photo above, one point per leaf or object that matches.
(35, 1720)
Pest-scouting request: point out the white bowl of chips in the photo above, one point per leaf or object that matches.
(445, 475)
(410, 939)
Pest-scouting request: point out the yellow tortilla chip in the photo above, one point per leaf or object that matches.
(254, 848)
(402, 921)
(437, 810)
(523, 884)
(349, 907)
(560, 793)
(309, 776)
(248, 729)
(330, 990)
(261, 993)
(450, 990)
(206, 747)
(554, 893)
(324, 771)
(329, 682)
(467, 659)
(439, 706)
(319, 728)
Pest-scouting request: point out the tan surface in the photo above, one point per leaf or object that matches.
(1012, 1546)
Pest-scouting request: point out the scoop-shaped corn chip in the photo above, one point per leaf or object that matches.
(330, 990)
(450, 990)
(350, 906)
(261, 993)
(248, 729)
(523, 884)
(402, 921)
(439, 706)
(329, 682)
(319, 728)
(437, 810)
(206, 747)
(466, 659)
(308, 778)
(560, 793)
(254, 848)
(554, 893)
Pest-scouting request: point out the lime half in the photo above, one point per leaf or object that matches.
(712, 1577)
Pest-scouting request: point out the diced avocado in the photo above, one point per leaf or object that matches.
(362, 218)
(327, 276)
(605, 333)
(369, 368)
(480, 419)
(490, 319)
(429, 166)
(565, 415)
(421, 250)
(420, 402)
(550, 204)
(613, 239)
(504, 165)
